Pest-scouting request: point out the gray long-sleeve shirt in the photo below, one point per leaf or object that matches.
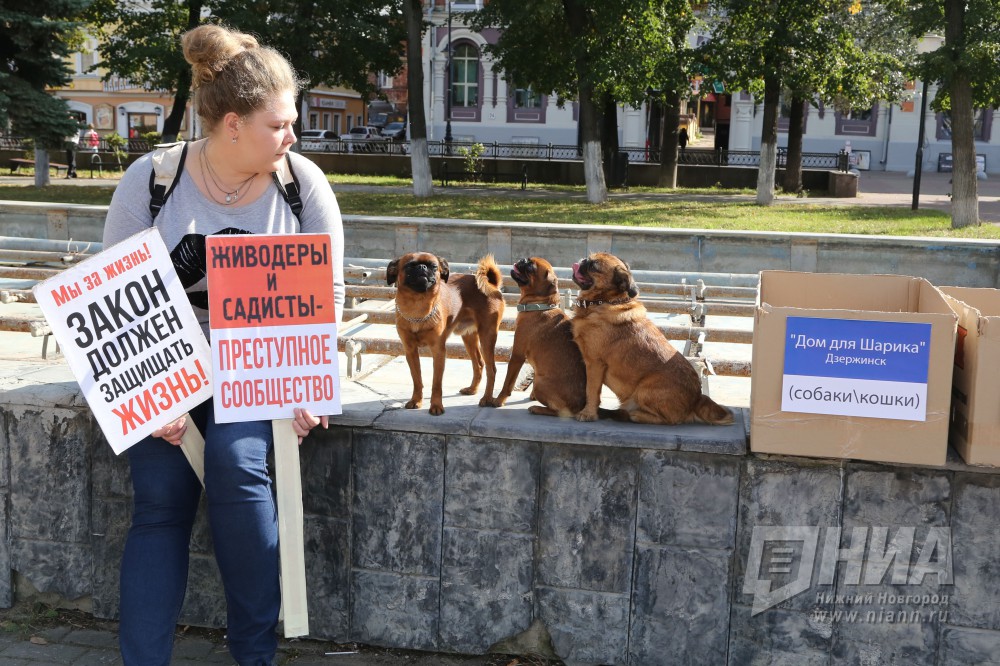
(188, 216)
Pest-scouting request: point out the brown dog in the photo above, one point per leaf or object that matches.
(625, 350)
(544, 338)
(431, 305)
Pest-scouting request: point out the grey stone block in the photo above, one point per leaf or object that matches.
(328, 550)
(680, 606)
(201, 531)
(486, 588)
(976, 551)
(587, 518)
(960, 645)
(907, 496)
(91, 638)
(491, 484)
(60, 568)
(110, 473)
(393, 610)
(586, 627)
(883, 506)
(398, 502)
(325, 459)
(779, 494)
(885, 642)
(49, 474)
(687, 500)
(779, 637)
(204, 601)
(6, 584)
(111, 520)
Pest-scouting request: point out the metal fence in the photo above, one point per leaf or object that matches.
(525, 151)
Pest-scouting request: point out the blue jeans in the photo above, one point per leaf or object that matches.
(242, 515)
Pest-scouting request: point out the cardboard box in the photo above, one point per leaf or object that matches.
(851, 366)
(975, 400)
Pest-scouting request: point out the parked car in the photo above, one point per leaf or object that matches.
(394, 131)
(318, 140)
(363, 138)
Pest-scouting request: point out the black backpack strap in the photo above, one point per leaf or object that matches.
(168, 163)
(288, 185)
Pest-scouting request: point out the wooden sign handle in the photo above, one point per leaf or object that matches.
(291, 542)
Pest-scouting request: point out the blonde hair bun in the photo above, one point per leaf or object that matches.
(209, 48)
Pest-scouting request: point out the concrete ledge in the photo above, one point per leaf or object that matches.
(943, 261)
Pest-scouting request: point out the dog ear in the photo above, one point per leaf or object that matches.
(443, 269)
(624, 283)
(392, 272)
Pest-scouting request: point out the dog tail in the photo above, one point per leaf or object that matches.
(488, 276)
(708, 411)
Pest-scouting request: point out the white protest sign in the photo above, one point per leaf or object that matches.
(274, 328)
(850, 367)
(130, 337)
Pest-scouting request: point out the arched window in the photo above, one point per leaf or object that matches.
(465, 76)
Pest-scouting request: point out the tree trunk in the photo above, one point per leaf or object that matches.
(668, 141)
(590, 133)
(420, 161)
(609, 133)
(172, 123)
(768, 142)
(793, 163)
(964, 188)
(41, 167)
(590, 121)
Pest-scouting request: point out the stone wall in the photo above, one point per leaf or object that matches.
(605, 543)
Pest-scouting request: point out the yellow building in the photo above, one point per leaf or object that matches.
(123, 107)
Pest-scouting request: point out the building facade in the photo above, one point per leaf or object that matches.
(123, 107)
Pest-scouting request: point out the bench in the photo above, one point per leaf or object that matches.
(16, 163)
(519, 177)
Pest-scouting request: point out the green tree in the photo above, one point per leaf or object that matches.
(597, 53)
(141, 42)
(861, 58)
(333, 42)
(967, 67)
(35, 40)
(764, 46)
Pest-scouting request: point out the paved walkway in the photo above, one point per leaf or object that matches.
(74, 640)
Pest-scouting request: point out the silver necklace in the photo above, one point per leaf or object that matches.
(231, 197)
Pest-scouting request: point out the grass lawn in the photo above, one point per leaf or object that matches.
(566, 205)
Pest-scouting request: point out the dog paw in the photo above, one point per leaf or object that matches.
(586, 416)
(437, 410)
(469, 390)
(491, 402)
(413, 404)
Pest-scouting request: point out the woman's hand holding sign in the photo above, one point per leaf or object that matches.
(304, 421)
(173, 431)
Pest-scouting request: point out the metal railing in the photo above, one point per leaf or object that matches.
(522, 151)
